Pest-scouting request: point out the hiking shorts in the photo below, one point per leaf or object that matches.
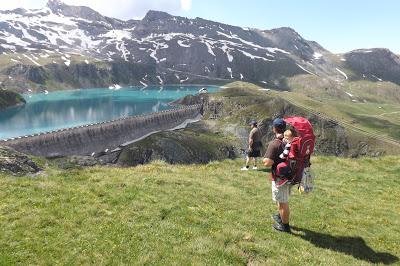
(282, 193)
(254, 153)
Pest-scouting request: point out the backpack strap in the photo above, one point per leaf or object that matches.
(273, 168)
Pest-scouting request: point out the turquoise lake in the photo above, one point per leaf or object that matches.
(63, 109)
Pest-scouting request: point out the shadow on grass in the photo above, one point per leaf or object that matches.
(353, 246)
(265, 170)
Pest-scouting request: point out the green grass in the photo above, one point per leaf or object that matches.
(200, 214)
(243, 101)
(376, 108)
(376, 118)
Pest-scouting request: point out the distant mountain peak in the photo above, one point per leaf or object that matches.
(53, 4)
(287, 31)
(153, 15)
(59, 7)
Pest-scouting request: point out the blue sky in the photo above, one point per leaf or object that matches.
(338, 25)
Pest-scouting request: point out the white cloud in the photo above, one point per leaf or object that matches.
(186, 4)
(123, 9)
(7, 5)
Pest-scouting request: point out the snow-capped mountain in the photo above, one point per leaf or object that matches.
(78, 47)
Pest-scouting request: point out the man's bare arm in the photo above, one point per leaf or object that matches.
(268, 162)
(250, 143)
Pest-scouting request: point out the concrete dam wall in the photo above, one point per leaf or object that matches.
(96, 138)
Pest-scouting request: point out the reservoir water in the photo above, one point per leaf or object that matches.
(62, 109)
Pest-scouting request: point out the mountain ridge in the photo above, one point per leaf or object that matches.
(79, 42)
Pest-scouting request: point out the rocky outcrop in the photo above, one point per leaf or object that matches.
(9, 99)
(193, 145)
(13, 162)
(192, 99)
(73, 162)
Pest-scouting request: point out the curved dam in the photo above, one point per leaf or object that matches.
(103, 136)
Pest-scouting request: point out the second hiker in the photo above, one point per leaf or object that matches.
(255, 145)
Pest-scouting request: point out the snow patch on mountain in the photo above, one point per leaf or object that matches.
(117, 35)
(7, 46)
(230, 71)
(180, 43)
(226, 50)
(160, 80)
(12, 39)
(63, 29)
(341, 72)
(209, 47)
(67, 62)
(183, 80)
(305, 69)
(254, 56)
(31, 59)
(317, 55)
(274, 50)
(377, 78)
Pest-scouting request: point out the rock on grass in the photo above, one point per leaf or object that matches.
(16, 163)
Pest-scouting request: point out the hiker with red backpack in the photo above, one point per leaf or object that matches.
(284, 168)
(290, 168)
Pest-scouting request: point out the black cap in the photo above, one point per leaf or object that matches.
(253, 123)
(279, 123)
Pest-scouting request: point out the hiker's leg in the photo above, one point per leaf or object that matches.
(281, 196)
(284, 212)
(247, 161)
(255, 161)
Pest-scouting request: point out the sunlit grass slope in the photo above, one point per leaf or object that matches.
(210, 214)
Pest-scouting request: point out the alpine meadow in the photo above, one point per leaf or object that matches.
(151, 134)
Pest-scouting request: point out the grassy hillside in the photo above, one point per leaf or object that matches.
(161, 214)
(369, 106)
(336, 134)
(9, 98)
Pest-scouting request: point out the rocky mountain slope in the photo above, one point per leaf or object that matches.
(375, 64)
(62, 46)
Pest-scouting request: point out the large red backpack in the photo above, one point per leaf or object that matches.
(301, 148)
